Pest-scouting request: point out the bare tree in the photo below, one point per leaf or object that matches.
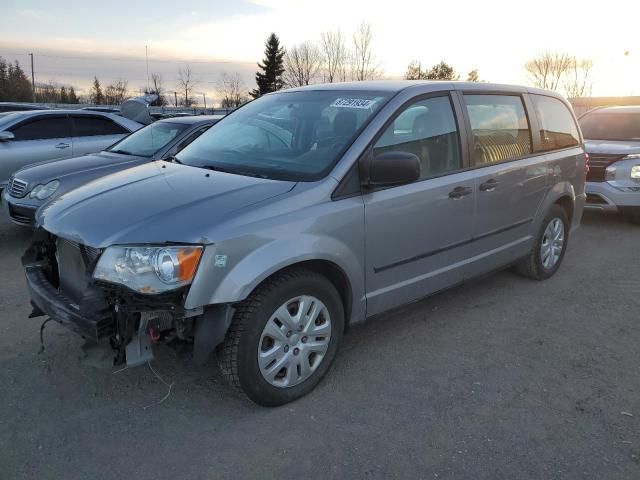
(548, 69)
(302, 64)
(116, 93)
(577, 82)
(334, 56)
(232, 89)
(415, 71)
(157, 89)
(186, 84)
(363, 61)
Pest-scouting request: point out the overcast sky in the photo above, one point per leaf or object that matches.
(74, 40)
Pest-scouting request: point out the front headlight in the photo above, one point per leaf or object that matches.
(635, 172)
(42, 192)
(610, 174)
(149, 269)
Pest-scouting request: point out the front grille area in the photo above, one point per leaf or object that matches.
(17, 188)
(75, 265)
(598, 163)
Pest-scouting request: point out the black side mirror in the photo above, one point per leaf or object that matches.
(393, 168)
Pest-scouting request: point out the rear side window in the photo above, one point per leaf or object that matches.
(43, 129)
(557, 126)
(91, 126)
(427, 129)
(499, 126)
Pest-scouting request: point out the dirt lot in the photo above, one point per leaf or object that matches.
(503, 378)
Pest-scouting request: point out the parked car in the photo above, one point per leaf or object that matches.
(612, 140)
(34, 185)
(18, 107)
(39, 135)
(306, 211)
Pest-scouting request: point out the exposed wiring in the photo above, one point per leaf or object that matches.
(167, 384)
(42, 335)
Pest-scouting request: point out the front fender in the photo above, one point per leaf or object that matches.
(239, 277)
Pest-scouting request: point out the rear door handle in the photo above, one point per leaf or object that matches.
(62, 145)
(460, 192)
(489, 185)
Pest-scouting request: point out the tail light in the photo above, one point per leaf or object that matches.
(586, 163)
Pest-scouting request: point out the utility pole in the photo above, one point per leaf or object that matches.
(175, 96)
(33, 80)
(204, 98)
(146, 54)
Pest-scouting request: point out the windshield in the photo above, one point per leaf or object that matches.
(611, 126)
(148, 140)
(290, 135)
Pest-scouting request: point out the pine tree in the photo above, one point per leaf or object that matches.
(96, 94)
(64, 98)
(270, 78)
(3, 79)
(18, 85)
(72, 96)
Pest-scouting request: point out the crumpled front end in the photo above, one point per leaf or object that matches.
(59, 275)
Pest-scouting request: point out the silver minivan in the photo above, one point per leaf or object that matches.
(307, 211)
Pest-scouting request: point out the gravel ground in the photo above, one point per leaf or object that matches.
(502, 378)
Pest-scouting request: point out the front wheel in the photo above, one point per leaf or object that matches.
(548, 250)
(283, 337)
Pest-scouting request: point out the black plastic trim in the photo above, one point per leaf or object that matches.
(431, 253)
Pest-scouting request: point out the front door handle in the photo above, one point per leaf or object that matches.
(488, 186)
(62, 145)
(460, 192)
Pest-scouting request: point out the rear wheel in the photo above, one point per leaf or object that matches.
(283, 337)
(548, 250)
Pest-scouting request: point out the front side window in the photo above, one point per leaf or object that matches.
(43, 129)
(557, 126)
(610, 126)
(149, 140)
(289, 135)
(499, 126)
(428, 130)
(87, 126)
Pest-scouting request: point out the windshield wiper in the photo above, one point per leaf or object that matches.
(172, 160)
(123, 152)
(216, 168)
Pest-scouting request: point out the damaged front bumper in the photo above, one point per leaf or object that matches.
(97, 310)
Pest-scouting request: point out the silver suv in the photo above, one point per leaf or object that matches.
(612, 141)
(307, 211)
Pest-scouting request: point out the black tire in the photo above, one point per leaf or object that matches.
(239, 353)
(532, 266)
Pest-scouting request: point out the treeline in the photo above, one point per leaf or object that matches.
(15, 86)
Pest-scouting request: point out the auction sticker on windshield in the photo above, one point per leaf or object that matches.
(353, 103)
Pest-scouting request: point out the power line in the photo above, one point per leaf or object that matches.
(129, 59)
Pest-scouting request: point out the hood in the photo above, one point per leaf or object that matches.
(44, 172)
(613, 147)
(157, 202)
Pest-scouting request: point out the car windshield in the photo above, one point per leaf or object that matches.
(148, 140)
(289, 135)
(611, 126)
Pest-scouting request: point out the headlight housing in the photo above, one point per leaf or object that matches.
(147, 269)
(610, 173)
(42, 192)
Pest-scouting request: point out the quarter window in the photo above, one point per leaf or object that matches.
(43, 129)
(92, 126)
(499, 126)
(428, 130)
(557, 127)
